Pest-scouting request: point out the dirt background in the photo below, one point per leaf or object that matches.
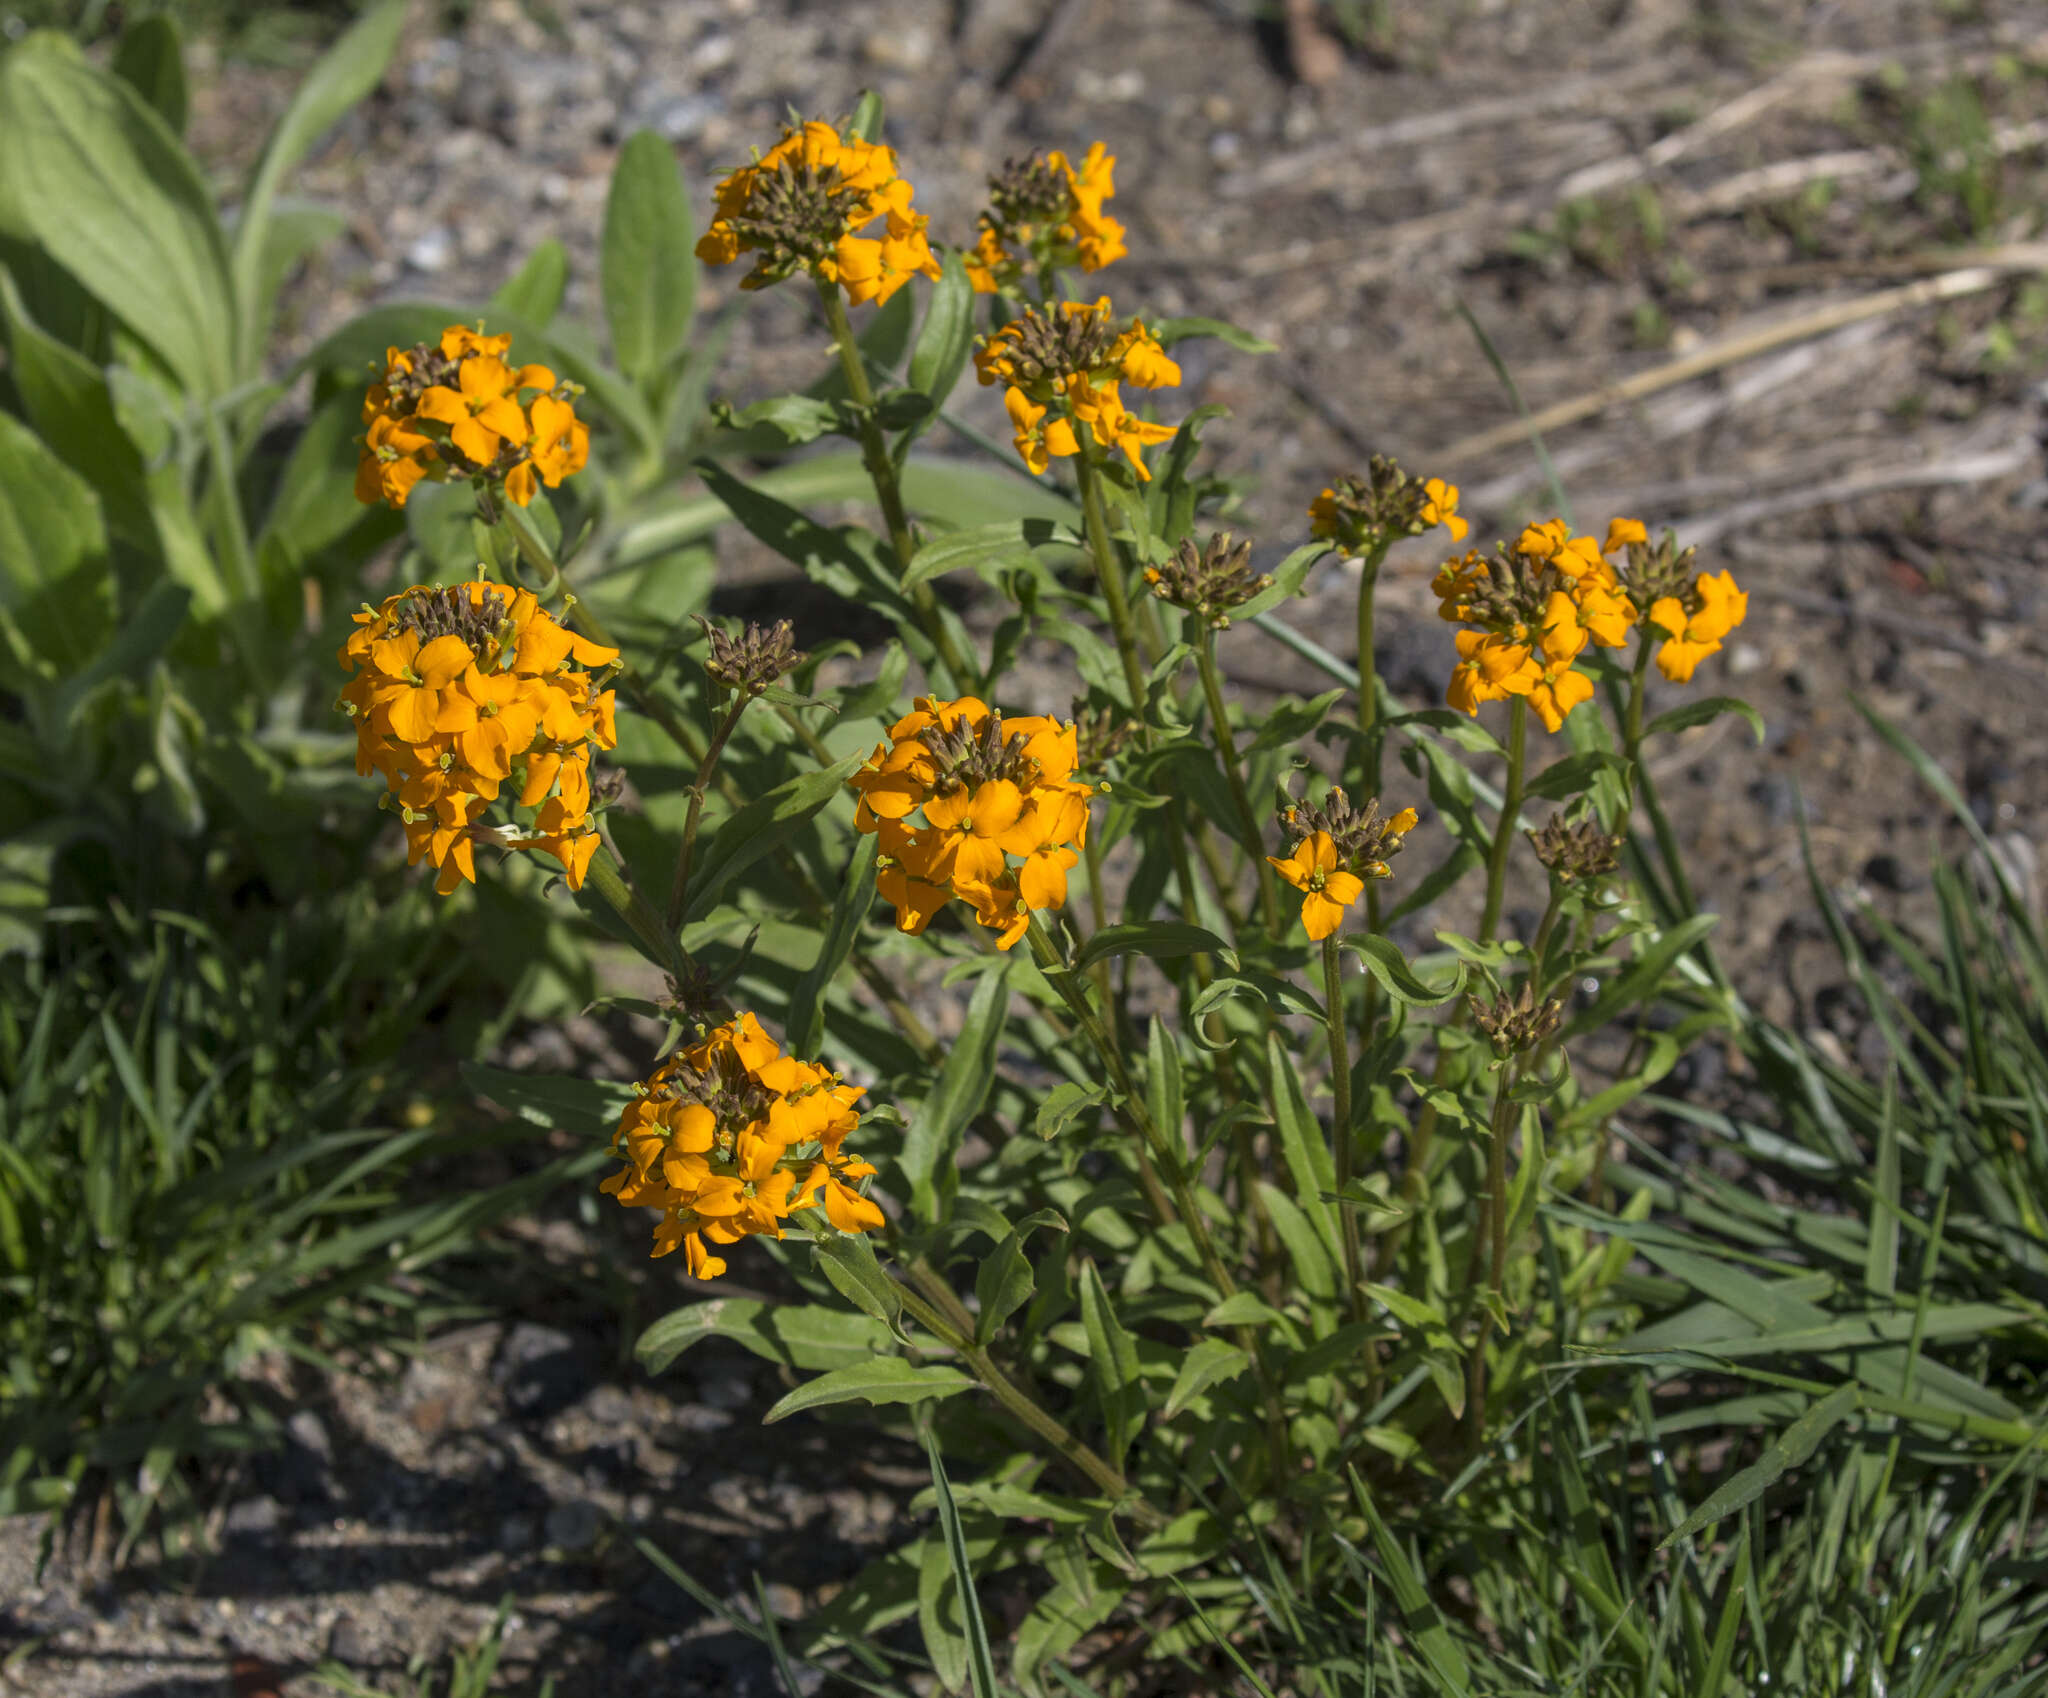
(1850, 195)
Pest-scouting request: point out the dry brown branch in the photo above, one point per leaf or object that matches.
(1949, 286)
(1594, 93)
(1983, 467)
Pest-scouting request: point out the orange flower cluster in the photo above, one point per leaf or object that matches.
(801, 206)
(1534, 608)
(1337, 850)
(1047, 212)
(730, 1137)
(457, 691)
(1076, 359)
(455, 410)
(989, 790)
(1690, 612)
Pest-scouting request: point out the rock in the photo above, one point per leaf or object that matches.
(515, 1534)
(255, 1518)
(541, 1370)
(609, 1406)
(728, 1388)
(346, 1642)
(307, 1429)
(433, 251)
(574, 1526)
(1888, 872)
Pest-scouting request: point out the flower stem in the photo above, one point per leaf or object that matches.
(607, 878)
(1495, 1225)
(1108, 570)
(1233, 771)
(1340, 1124)
(1041, 1422)
(874, 451)
(1510, 818)
(679, 889)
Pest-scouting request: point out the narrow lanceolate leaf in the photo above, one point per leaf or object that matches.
(344, 74)
(1210, 1362)
(535, 295)
(1700, 712)
(947, 335)
(886, 1379)
(1425, 1622)
(92, 174)
(1002, 1285)
(798, 1335)
(151, 60)
(1384, 960)
(56, 589)
(760, 828)
(806, 1025)
(1162, 940)
(583, 1106)
(1113, 1365)
(958, 1094)
(648, 271)
(981, 1661)
(1790, 1448)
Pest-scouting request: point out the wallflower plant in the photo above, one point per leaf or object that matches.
(1203, 1217)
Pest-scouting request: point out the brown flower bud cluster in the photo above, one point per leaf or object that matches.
(1517, 1024)
(1587, 850)
(758, 657)
(1209, 581)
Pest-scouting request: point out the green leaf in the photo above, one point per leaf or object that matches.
(947, 335)
(1243, 1309)
(585, 1106)
(1063, 1104)
(886, 1379)
(1641, 978)
(849, 1261)
(959, 1093)
(797, 1335)
(535, 295)
(1701, 712)
(866, 124)
(1787, 1451)
(1308, 1245)
(805, 1028)
(1303, 1151)
(1112, 1365)
(149, 631)
(94, 175)
(648, 264)
(56, 590)
(1387, 964)
(1425, 1623)
(1573, 774)
(151, 61)
(795, 419)
(1003, 1284)
(761, 827)
(1210, 1361)
(315, 504)
(841, 559)
(1006, 539)
(1288, 577)
(980, 1660)
(1161, 940)
(343, 75)
(1290, 723)
(1168, 331)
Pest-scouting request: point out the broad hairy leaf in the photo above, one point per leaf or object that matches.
(886, 1379)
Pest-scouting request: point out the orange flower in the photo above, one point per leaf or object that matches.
(1327, 888)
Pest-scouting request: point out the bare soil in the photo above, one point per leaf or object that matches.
(1608, 188)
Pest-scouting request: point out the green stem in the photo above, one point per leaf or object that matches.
(1510, 817)
(1340, 1125)
(1040, 1421)
(874, 452)
(244, 583)
(1539, 950)
(1368, 671)
(1108, 571)
(607, 878)
(679, 888)
(1233, 772)
(1496, 1229)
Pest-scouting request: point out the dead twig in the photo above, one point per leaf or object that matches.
(1985, 467)
(1949, 286)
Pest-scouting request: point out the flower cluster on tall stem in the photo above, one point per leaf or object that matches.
(802, 206)
(1337, 849)
(457, 693)
(1045, 214)
(456, 409)
(970, 805)
(1530, 610)
(1064, 371)
(730, 1137)
(1685, 613)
